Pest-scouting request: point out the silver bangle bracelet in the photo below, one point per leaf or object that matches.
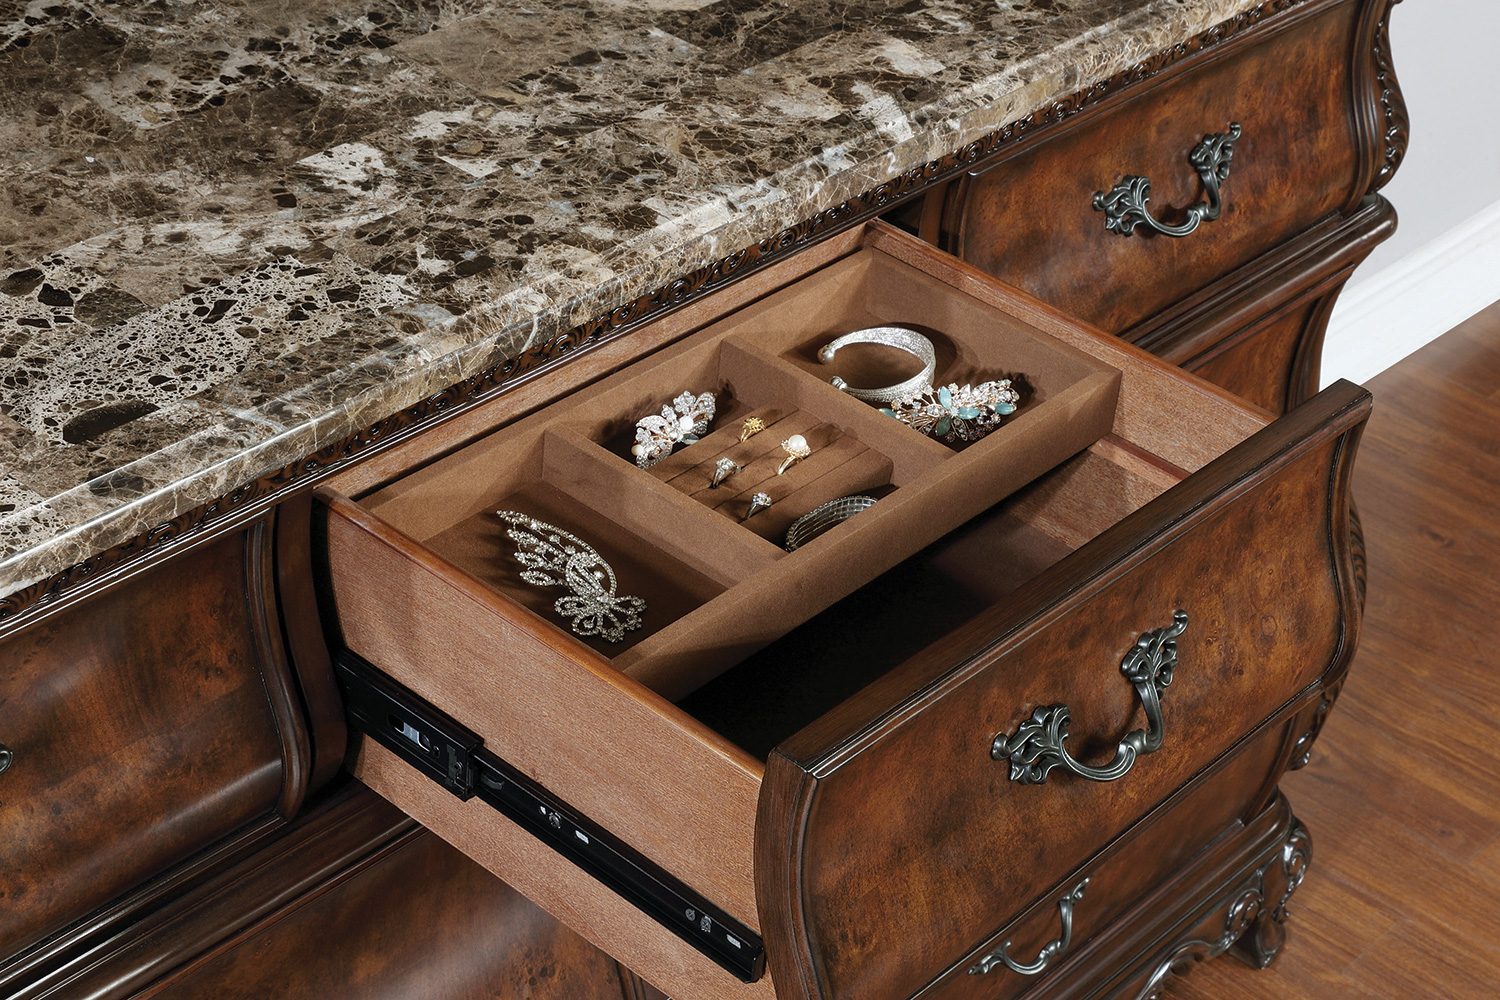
(820, 519)
(900, 337)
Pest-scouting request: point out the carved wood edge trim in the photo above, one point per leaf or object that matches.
(1377, 105)
(116, 562)
(1348, 554)
(1397, 125)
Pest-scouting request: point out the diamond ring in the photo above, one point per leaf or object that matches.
(723, 469)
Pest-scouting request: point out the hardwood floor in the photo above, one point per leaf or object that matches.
(1403, 792)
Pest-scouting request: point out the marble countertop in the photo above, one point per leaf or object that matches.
(233, 232)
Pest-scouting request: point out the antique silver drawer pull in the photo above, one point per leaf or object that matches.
(1049, 951)
(1037, 746)
(5, 758)
(1124, 206)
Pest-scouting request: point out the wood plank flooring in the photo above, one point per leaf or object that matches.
(1403, 792)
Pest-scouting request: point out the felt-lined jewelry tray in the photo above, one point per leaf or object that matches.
(718, 586)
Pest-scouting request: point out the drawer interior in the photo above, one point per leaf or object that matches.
(670, 729)
(770, 696)
(718, 584)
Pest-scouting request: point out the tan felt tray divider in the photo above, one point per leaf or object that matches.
(717, 586)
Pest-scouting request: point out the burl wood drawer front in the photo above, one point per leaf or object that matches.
(890, 839)
(1147, 860)
(1030, 219)
(141, 732)
(920, 856)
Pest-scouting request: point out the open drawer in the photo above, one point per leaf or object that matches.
(834, 793)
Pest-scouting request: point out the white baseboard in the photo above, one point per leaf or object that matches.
(1414, 301)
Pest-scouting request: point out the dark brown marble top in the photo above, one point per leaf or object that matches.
(233, 232)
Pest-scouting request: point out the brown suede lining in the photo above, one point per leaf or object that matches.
(717, 586)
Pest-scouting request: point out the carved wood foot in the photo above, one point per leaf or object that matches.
(1250, 921)
(1262, 940)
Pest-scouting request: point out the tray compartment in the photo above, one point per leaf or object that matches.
(572, 484)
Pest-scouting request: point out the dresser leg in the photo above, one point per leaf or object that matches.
(1262, 941)
(1250, 922)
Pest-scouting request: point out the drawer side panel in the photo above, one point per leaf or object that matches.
(545, 703)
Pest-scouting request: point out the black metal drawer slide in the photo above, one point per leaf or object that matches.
(454, 757)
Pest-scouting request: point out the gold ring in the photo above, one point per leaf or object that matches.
(796, 449)
(751, 427)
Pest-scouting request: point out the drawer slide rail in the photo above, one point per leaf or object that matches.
(454, 757)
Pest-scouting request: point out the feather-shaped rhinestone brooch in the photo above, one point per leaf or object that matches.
(552, 557)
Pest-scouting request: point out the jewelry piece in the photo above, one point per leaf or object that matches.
(758, 503)
(751, 427)
(796, 450)
(723, 469)
(553, 557)
(657, 434)
(820, 519)
(909, 341)
(956, 413)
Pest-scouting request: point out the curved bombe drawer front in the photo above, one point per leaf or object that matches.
(891, 840)
(878, 844)
(141, 729)
(1030, 218)
(1112, 904)
(1287, 87)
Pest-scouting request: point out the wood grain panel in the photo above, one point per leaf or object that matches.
(1030, 218)
(1404, 900)
(423, 921)
(142, 733)
(842, 809)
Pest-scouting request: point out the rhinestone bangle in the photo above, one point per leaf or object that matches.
(820, 519)
(899, 337)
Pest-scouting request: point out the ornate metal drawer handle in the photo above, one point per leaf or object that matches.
(1049, 951)
(6, 757)
(1124, 206)
(1037, 746)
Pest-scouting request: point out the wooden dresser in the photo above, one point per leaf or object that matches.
(1016, 733)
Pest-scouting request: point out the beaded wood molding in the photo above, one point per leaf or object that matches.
(240, 505)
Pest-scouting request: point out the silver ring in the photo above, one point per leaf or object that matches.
(723, 469)
(820, 519)
(758, 503)
(900, 337)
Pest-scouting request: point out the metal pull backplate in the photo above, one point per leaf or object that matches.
(1037, 745)
(1124, 205)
